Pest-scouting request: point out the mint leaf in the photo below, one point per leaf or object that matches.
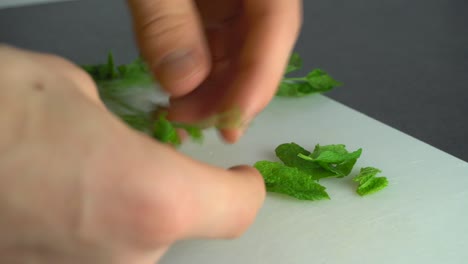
(323, 162)
(165, 132)
(294, 89)
(138, 122)
(334, 158)
(195, 132)
(294, 64)
(368, 183)
(289, 153)
(321, 81)
(365, 174)
(374, 185)
(317, 81)
(290, 181)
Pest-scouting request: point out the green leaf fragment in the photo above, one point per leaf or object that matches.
(289, 153)
(374, 185)
(365, 174)
(294, 89)
(317, 81)
(334, 158)
(290, 181)
(138, 122)
(294, 64)
(323, 162)
(195, 132)
(321, 81)
(165, 132)
(368, 183)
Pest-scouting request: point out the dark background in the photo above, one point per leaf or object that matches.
(402, 62)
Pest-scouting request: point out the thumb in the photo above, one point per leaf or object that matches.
(171, 39)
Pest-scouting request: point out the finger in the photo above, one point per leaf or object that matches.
(267, 33)
(171, 39)
(217, 203)
(162, 195)
(273, 29)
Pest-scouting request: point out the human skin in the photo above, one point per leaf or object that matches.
(212, 56)
(78, 186)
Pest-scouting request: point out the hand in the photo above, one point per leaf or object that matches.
(78, 186)
(212, 55)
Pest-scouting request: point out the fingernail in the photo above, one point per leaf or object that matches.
(175, 66)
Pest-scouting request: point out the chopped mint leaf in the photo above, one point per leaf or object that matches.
(138, 122)
(323, 162)
(110, 78)
(302, 169)
(334, 158)
(294, 64)
(289, 153)
(193, 131)
(374, 185)
(165, 132)
(321, 81)
(293, 89)
(111, 72)
(317, 81)
(365, 174)
(290, 181)
(368, 183)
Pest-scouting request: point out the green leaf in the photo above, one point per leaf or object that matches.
(138, 122)
(334, 158)
(294, 89)
(195, 132)
(368, 183)
(324, 162)
(374, 185)
(294, 64)
(289, 153)
(365, 174)
(290, 181)
(333, 154)
(321, 81)
(111, 71)
(317, 81)
(165, 132)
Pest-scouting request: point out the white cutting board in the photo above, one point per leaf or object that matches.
(422, 216)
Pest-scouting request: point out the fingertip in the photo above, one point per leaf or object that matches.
(253, 173)
(256, 197)
(171, 38)
(256, 177)
(231, 136)
(242, 168)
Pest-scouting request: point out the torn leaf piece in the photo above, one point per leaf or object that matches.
(290, 181)
(368, 183)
